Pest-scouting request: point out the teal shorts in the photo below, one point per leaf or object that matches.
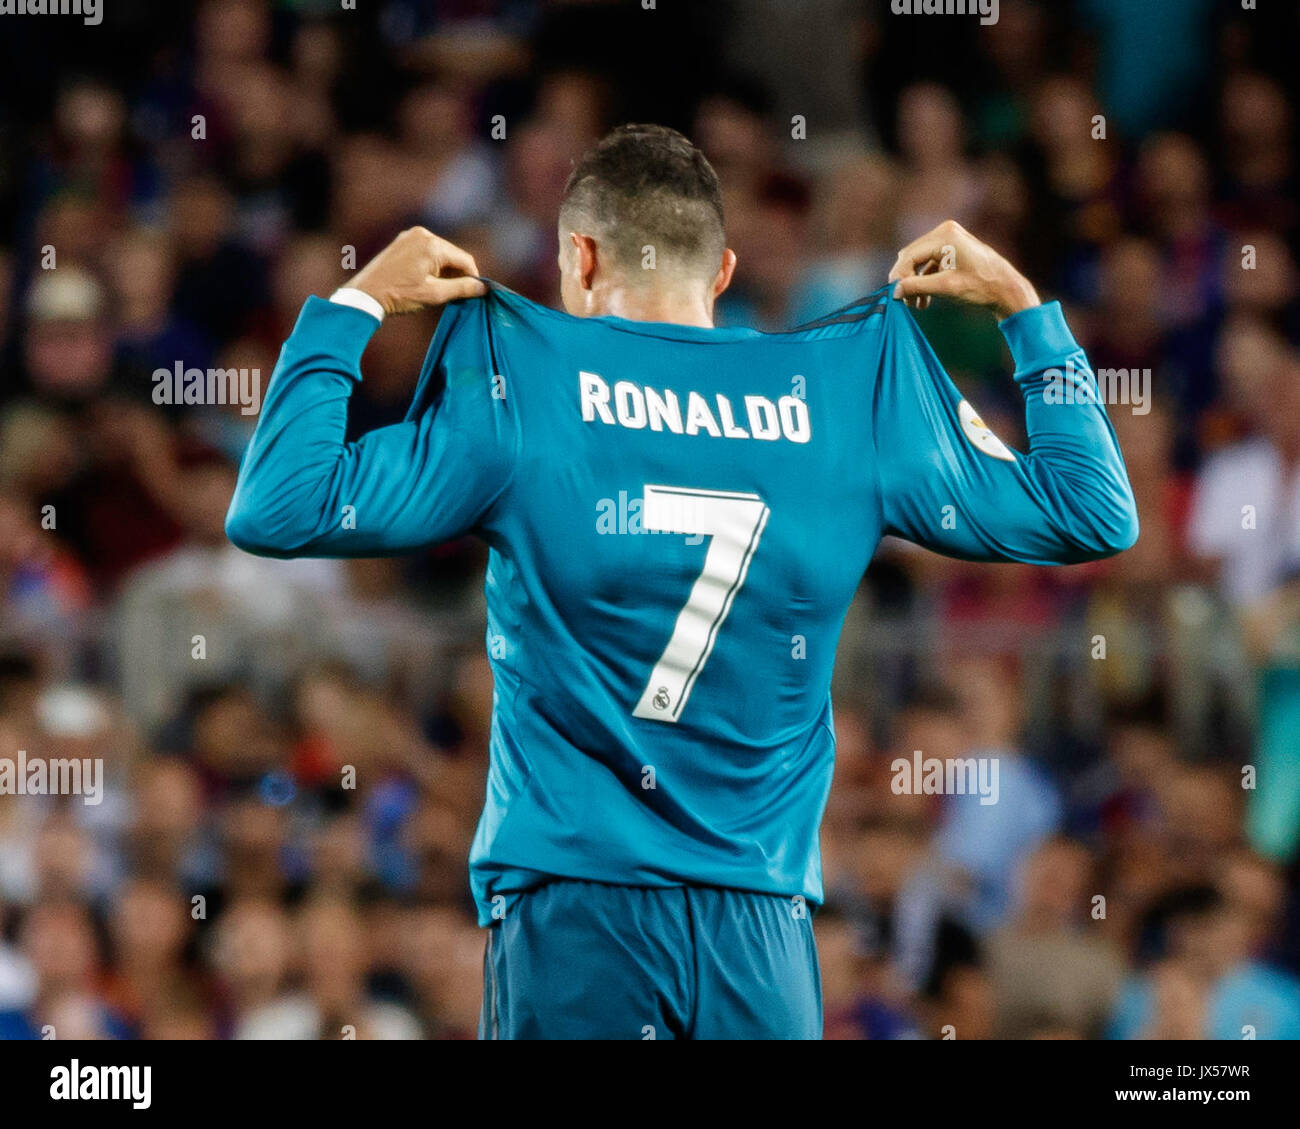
(585, 960)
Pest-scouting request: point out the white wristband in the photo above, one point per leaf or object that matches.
(358, 300)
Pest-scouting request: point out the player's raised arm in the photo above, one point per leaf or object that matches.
(303, 491)
(947, 482)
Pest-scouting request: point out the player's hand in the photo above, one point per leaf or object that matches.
(950, 261)
(418, 269)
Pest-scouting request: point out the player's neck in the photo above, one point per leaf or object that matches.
(650, 304)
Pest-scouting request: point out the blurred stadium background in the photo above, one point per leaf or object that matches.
(325, 129)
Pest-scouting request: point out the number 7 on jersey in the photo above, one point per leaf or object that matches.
(734, 523)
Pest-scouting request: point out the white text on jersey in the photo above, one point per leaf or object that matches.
(637, 408)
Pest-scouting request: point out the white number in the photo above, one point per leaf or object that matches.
(735, 523)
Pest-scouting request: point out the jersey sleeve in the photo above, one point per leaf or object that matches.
(948, 483)
(304, 491)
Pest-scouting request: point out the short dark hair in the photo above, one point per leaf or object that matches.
(648, 185)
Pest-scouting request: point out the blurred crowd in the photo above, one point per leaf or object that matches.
(294, 752)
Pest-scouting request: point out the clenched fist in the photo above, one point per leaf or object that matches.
(950, 261)
(419, 269)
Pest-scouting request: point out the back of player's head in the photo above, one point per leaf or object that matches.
(647, 186)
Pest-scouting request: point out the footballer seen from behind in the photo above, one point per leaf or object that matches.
(647, 865)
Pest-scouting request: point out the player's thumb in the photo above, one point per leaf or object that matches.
(915, 285)
(436, 291)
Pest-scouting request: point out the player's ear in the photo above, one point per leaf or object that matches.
(585, 250)
(728, 268)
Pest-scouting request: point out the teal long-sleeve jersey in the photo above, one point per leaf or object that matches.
(678, 519)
